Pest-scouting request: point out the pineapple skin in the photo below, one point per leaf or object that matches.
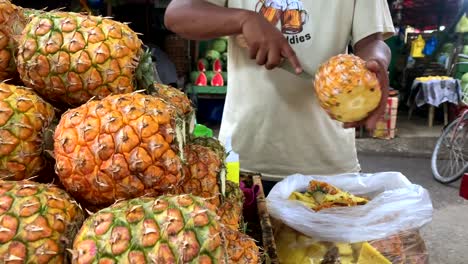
(12, 23)
(70, 58)
(167, 229)
(120, 147)
(346, 89)
(24, 117)
(38, 222)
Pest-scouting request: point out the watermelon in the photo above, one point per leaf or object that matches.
(201, 80)
(225, 76)
(217, 65)
(193, 76)
(464, 78)
(224, 56)
(220, 45)
(213, 55)
(217, 80)
(202, 64)
(209, 75)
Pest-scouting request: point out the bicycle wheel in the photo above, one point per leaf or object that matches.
(450, 157)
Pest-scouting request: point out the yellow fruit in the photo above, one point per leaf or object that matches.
(24, 117)
(69, 58)
(120, 147)
(346, 89)
(369, 255)
(12, 23)
(37, 223)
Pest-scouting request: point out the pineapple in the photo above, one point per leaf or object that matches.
(70, 58)
(241, 248)
(167, 229)
(120, 147)
(346, 89)
(231, 209)
(37, 222)
(12, 23)
(202, 173)
(24, 117)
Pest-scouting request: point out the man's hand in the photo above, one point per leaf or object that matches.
(266, 43)
(377, 54)
(380, 70)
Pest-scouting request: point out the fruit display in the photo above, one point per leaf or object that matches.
(167, 229)
(70, 58)
(24, 117)
(212, 68)
(118, 144)
(346, 89)
(38, 222)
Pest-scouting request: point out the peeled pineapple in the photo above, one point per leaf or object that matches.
(346, 89)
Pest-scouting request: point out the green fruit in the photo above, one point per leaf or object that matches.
(225, 76)
(213, 55)
(193, 76)
(220, 45)
(464, 78)
(209, 75)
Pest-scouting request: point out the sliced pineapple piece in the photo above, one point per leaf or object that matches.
(370, 255)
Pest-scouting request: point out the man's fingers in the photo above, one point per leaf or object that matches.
(373, 66)
(261, 56)
(253, 49)
(289, 54)
(274, 59)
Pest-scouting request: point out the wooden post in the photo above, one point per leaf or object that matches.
(431, 115)
(446, 121)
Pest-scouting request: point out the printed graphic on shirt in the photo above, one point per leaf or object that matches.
(290, 13)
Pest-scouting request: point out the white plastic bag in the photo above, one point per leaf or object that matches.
(396, 205)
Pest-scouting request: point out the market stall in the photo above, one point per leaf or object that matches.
(102, 161)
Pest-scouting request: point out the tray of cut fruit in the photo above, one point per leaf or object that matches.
(349, 219)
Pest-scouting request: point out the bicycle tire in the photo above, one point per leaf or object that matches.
(435, 173)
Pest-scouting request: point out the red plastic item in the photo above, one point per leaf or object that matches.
(464, 187)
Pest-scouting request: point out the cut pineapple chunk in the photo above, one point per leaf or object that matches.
(370, 255)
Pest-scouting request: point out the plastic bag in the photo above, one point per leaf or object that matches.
(296, 248)
(395, 205)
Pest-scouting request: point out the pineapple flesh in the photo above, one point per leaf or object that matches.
(12, 23)
(346, 89)
(120, 147)
(70, 58)
(38, 223)
(24, 117)
(167, 229)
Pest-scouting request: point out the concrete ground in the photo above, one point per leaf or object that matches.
(447, 235)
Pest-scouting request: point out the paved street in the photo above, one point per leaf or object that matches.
(447, 235)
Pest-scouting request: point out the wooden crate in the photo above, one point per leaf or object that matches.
(259, 225)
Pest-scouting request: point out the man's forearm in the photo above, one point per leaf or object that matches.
(197, 19)
(373, 47)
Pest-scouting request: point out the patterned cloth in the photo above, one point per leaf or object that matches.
(435, 92)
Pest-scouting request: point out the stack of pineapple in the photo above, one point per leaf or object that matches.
(134, 185)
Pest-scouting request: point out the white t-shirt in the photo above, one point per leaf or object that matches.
(273, 117)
